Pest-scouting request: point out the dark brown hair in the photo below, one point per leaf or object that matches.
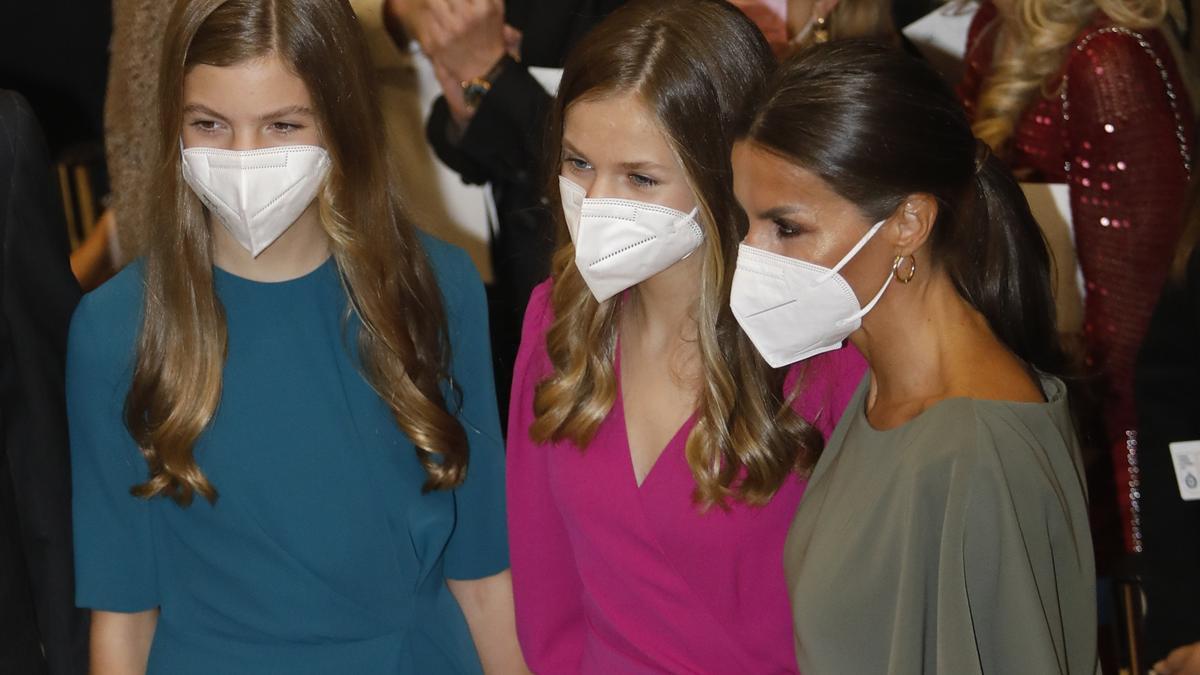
(877, 126)
(183, 338)
(693, 63)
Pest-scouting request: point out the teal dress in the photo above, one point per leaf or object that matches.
(321, 554)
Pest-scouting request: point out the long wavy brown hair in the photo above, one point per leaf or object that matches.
(694, 63)
(1031, 47)
(182, 343)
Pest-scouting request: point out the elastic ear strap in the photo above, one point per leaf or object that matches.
(870, 305)
(857, 247)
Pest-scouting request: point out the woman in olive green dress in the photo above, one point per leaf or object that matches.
(944, 529)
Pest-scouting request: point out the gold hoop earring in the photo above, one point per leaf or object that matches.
(821, 31)
(912, 270)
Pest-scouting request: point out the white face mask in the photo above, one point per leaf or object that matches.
(793, 310)
(620, 243)
(257, 194)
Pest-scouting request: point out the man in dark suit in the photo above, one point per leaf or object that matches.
(40, 628)
(489, 126)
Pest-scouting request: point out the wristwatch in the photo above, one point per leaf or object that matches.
(476, 88)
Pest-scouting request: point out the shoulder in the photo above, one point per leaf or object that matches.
(539, 313)
(105, 324)
(1104, 52)
(456, 275)
(826, 383)
(451, 264)
(18, 129)
(1015, 448)
(533, 361)
(15, 111)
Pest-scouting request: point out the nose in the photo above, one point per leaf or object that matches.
(756, 236)
(602, 187)
(243, 140)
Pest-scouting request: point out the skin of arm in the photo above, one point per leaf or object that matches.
(487, 604)
(121, 641)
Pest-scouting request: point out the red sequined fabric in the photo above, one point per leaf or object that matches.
(1121, 148)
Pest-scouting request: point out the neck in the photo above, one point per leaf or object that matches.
(911, 339)
(298, 251)
(660, 313)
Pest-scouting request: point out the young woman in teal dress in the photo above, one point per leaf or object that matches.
(286, 451)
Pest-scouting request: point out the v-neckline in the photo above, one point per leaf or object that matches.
(620, 407)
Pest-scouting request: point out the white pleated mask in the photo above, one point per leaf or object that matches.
(620, 242)
(256, 194)
(794, 310)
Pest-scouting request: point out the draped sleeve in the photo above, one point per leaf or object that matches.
(550, 616)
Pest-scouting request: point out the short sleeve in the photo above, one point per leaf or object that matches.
(479, 545)
(115, 566)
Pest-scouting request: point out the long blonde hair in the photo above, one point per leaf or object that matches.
(693, 63)
(182, 344)
(1031, 47)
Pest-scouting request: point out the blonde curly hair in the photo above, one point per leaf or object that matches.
(1031, 47)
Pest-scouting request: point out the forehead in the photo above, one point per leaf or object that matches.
(248, 87)
(762, 174)
(613, 123)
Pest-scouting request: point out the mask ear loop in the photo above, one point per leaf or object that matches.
(853, 252)
(887, 282)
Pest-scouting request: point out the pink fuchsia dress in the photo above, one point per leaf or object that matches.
(611, 577)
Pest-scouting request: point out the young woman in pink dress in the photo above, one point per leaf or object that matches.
(654, 461)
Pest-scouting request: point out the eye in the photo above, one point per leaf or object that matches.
(642, 181)
(576, 164)
(785, 228)
(285, 127)
(206, 126)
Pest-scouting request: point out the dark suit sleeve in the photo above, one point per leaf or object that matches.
(37, 297)
(1167, 389)
(503, 141)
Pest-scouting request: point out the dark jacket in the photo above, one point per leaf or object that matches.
(503, 146)
(37, 295)
(1167, 388)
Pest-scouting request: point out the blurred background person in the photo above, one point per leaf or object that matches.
(55, 53)
(40, 628)
(1168, 406)
(489, 126)
(1087, 93)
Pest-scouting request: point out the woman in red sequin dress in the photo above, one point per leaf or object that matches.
(1086, 92)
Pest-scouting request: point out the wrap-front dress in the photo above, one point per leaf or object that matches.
(612, 577)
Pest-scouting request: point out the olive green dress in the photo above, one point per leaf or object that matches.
(956, 543)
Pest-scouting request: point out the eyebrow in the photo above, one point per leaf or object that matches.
(638, 166)
(569, 147)
(780, 211)
(282, 112)
(626, 166)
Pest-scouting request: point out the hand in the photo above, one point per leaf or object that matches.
(1183, 661)
(399, 18)
(464, 37)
